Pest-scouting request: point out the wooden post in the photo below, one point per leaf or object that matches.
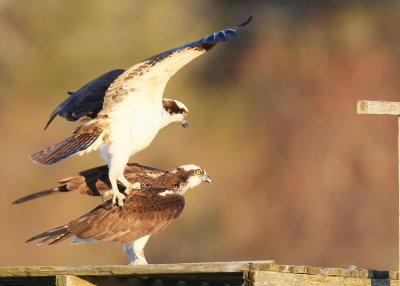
(71, 280)
(389, 108)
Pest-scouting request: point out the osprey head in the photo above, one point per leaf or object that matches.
(191, 176)
(174, 111)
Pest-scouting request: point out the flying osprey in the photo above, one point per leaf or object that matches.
(86, 103)
(130, 116)
(146, 212)
(95, 181)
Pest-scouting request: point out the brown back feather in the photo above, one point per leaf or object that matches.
(144, 213)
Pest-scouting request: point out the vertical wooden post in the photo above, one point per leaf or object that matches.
(71, 280)
(389, 108)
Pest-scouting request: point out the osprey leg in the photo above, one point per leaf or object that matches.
(116, 166)
(135, 251)
(128, 186)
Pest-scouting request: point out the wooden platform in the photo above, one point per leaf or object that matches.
(203, 274)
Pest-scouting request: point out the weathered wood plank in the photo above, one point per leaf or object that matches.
(216, 267)
(378, 107)
(267, 278)
(71, 280)
(236, 273)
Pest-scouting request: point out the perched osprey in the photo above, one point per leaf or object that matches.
(131, 114)
(146, 212)
(95, 181)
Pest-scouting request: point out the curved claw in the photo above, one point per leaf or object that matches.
(106, 196)
(118, 199)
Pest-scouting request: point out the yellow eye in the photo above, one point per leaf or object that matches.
(186, 115)
(198, 172)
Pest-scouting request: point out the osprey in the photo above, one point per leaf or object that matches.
(86, 103)
(131, 114)
(146, 212)
(95, 181)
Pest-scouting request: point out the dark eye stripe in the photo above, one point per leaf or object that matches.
(172, 108)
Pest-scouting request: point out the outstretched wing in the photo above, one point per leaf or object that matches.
(143, 214)
(95, 181)
(87, 101)
(151, 75)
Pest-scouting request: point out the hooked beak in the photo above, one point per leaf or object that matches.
(207, 179)
(185, 123)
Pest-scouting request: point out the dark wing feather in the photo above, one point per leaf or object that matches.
(53, 236)
(87, 101)
(208, 41)
(41, 194)
(158, 69)
(64, 149)
(95, 181)
(144, 213)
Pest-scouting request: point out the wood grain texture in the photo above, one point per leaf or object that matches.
(378, 107)
(267, 278)
(71, 280)
(184, 268)
(249, 273)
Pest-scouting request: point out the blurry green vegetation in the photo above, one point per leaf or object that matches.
(297, 176)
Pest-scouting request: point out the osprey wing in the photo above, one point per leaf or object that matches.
(87, 101)
(154, 72)
(145, 213)
(95, 181)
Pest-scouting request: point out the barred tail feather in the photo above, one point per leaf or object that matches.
(53, 236)
(41, 194)
(64, 149)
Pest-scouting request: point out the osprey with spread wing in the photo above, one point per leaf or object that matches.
(131, 113)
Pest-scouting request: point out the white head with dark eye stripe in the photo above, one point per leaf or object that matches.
(191, 176)
(174, 111)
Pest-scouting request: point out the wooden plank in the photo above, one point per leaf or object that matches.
(347, 273)
(267, 278)
(299, 269)
(71, 280)
(378, 107)
(107, 270)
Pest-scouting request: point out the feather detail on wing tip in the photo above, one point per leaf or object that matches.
(64, 149)
(52, 116)
(209, 41)
(40, 194)
(206, 43)
(54, 236)
(245, 23)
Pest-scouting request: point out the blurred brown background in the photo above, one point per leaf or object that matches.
(298, 177)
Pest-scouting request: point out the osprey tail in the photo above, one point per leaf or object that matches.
(53, 236)
(78, 142)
